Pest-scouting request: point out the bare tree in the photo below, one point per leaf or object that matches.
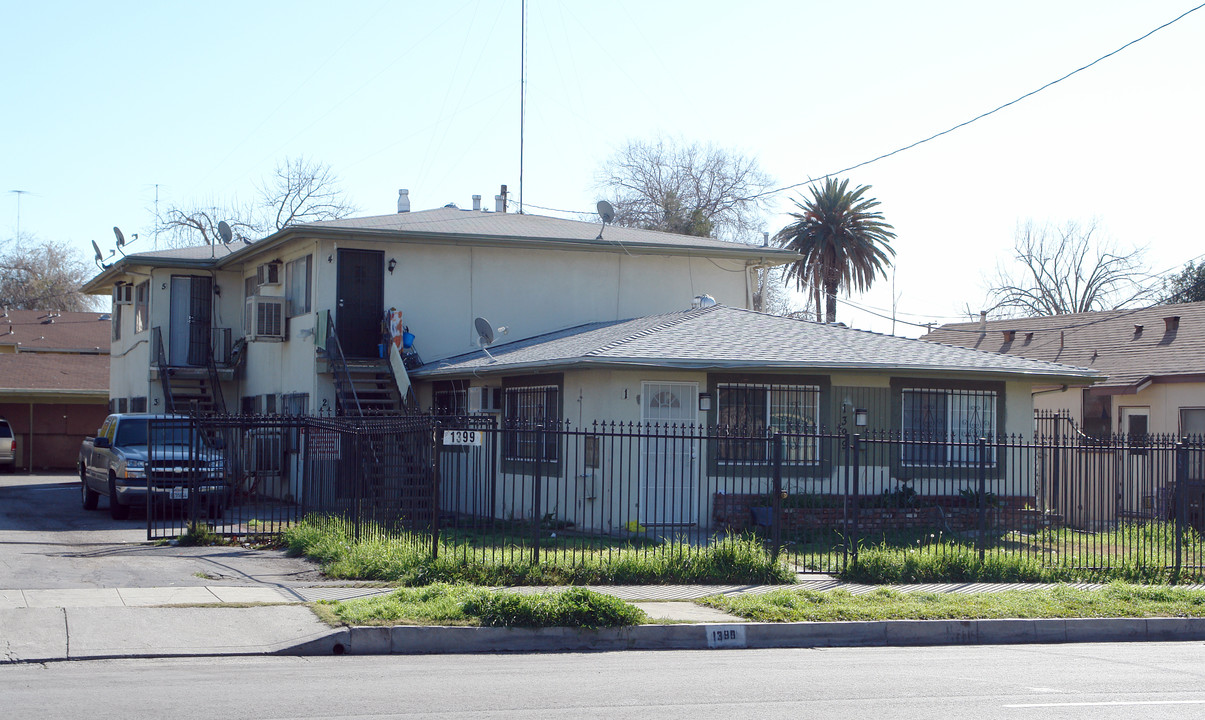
(1068, 269)
(182, 227)
(771, 295)
(36, 275)
(302, 191)
(299, 191)
(694, 189)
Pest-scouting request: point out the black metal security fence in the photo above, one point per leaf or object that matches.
(818, 499)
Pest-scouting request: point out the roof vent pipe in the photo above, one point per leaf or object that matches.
(477, 203)
(403, 201)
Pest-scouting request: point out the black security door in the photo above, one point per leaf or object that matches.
(200, 320)
(361, 302)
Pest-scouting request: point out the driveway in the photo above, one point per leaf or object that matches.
(47, 540)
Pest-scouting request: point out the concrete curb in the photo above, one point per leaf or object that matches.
(414, 640)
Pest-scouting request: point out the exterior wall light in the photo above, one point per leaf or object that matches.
(392, 265)
(704, 402)
(860, 416)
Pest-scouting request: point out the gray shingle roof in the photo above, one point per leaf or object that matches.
(454, 224)
(1106, 341)
(723, 337)
(472, 223)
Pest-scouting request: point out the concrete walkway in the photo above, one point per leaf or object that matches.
(94, 623)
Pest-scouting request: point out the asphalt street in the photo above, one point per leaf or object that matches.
(1146, 680)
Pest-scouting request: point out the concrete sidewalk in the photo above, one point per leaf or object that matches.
(97, 623)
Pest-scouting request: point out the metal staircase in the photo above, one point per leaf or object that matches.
(391, 472)
(188, 390)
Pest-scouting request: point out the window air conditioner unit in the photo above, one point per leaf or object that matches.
(268, 274)
(485, 399)
(265, 318)
(123, 294)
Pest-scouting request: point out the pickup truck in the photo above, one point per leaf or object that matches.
(121, 458)
(8, 447)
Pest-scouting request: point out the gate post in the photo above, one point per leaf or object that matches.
(1181, 500)
(536, 499)
(776, 527)
(982, 447)
(855, 449)
(359, 478)
(437, 446)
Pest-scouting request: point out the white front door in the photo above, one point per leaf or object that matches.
(669, 454)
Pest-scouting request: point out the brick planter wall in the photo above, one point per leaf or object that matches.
(737, 512)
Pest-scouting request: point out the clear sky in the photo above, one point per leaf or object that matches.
(105, 102)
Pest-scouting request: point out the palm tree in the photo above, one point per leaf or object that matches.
(842, 241)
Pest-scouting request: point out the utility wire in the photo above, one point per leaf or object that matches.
(810, 181)
(978, 117)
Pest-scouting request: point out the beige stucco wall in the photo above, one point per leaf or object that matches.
(1163, 401)
(442, 288)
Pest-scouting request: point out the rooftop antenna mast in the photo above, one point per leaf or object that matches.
(522, 92)
(19, 193)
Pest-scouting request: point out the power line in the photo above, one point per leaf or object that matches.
(981, 116)
(884, 156)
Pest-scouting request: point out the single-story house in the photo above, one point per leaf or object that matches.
(1152, 363)
(54, 382)
(732, 368)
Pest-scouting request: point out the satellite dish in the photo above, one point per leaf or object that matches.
(99, 255)
(606, 212)
(121, 239)
(224, 232)
(485, 331)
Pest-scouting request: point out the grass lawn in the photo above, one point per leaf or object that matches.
(406, 559)
(1133, 552)
(442, 604)
(1114, 600)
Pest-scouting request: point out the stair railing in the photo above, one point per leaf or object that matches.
(160, 363)
(343, 382)
(219, 402)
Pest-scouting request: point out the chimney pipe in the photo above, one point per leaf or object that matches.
(983, 321)
(503, 199)
(499, 204)
(477, 202)
(765, 239)
(403, 201)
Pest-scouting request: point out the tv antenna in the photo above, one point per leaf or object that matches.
(607, 213)
(486, 335)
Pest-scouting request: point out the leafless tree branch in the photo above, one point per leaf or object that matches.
(1068, 269)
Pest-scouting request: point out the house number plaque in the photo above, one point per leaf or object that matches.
(462, 437)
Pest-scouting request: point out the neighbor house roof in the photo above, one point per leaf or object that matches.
(455, 226)
(57, 374)
(722, 337)
(53, 331)
(1131, 347)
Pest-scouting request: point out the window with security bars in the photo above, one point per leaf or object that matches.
(759, 411)
(944, 426)
(528, 410)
